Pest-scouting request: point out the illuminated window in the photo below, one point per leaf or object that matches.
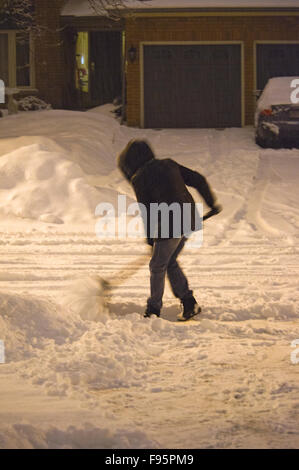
(82, 62)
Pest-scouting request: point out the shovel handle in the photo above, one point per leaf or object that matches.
(139, 262)
(212, 212)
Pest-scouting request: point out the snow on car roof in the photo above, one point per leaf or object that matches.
(277, 91)
(82, 7)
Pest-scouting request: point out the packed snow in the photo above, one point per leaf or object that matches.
(84, 373)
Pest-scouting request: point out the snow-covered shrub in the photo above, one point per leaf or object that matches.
(32, 103)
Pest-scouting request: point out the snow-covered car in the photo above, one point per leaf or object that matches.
(277, 116)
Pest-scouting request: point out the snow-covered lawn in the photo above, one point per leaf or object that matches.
(122, 381)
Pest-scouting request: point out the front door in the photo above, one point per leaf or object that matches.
(105, 66)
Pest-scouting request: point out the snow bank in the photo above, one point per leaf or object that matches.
(67, 355)
(29, 324)
(39, 184)
(115, 353)
(57, 166)
(85, 138)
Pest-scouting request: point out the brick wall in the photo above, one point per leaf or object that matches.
(205, 28)
(49, 61)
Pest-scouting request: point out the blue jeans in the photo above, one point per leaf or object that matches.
(164, 259)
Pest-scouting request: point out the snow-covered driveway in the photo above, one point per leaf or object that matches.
(226, 380)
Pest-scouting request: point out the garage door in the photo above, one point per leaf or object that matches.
(192, 86)
(276, 60)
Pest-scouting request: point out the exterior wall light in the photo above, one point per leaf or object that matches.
(132, 54)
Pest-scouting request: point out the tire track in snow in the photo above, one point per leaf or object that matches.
(265, 175)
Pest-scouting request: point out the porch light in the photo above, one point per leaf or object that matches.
(132, 54)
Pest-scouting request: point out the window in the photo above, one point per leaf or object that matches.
(82, 62)
(23, 60)
(4, 57)
(16, 59)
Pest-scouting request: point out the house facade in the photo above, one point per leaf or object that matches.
(196, 66)
(202, 68)
(34, 64)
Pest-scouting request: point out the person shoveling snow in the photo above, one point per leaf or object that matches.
(156, 182)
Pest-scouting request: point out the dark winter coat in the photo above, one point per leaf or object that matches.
(163, 181)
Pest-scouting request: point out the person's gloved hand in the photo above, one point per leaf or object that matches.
(213, 211)
(150, 241)
(217, 208)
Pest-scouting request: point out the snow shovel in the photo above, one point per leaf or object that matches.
(88, 297)
(132, 268)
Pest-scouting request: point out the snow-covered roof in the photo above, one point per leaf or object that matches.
(82, 7)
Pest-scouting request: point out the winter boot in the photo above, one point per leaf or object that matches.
(190, 308)
(151, 311)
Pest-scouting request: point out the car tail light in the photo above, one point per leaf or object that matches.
(266, 112)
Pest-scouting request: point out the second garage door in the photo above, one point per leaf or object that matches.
(276, 60)
(192, 86)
